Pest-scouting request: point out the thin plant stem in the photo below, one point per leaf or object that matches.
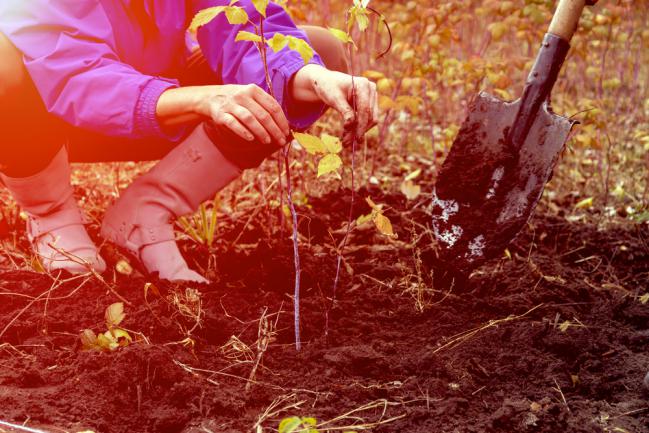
(289, 196)
(353, 196)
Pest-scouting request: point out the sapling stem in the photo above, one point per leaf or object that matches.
(353, 196)
(289, 195)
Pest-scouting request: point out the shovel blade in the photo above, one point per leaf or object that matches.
(486, 191)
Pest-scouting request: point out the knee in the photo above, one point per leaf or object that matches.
(12, 70)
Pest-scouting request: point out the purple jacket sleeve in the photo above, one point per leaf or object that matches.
(68, 51)
(240, 62)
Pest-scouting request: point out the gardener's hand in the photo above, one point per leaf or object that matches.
(314, 83)
(244, 110)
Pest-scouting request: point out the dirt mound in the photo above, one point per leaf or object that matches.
(553, 339)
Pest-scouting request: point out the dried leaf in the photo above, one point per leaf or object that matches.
(329, 163)
(88, 340)
(644, 298)
(383, 224)
(153, 288)
(114, 314)
(564, 326)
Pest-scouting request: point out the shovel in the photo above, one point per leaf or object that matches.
(501, 159)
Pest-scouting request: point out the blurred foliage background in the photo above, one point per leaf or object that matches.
(445, 51)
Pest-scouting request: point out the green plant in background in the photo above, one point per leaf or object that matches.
(201, 226)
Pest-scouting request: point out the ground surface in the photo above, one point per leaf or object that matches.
(553, 340)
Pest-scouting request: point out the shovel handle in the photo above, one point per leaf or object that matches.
(566, 18)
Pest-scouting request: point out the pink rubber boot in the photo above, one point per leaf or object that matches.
(141, 219)
(55, 225)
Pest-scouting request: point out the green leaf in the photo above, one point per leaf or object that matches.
(302, 47)
(329, 163)
(312, 144)
(247, 36)
(341, 35)
(236, 15)
(205, 16)
(289, 425)
(277, 42)
(261, 6)
(332, 144)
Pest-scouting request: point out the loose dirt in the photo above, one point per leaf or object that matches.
(552, 340)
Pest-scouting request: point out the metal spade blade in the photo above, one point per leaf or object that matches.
(502, 158)
(485, 193)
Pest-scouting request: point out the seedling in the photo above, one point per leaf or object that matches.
(114, 338)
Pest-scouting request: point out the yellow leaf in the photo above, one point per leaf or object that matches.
(410, 190)
(564, 326)
(106, 341)
(497, 30)
(247, 36)
(236, 15)
(302, 47)
(384, 85)
(373, 75)
(373, 205)
(329, 163)
(205, 16)
(123, 267)
(312, 144)
(414, 175)
(644, 298)
(363, 219)
(261, 6)
(277, 42)
(114, 314)
(332, 144)
(341, 35)
(122, 337)
(383, 224)
(585, 203)
(508, 254)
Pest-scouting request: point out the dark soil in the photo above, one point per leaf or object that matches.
(553, 340)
